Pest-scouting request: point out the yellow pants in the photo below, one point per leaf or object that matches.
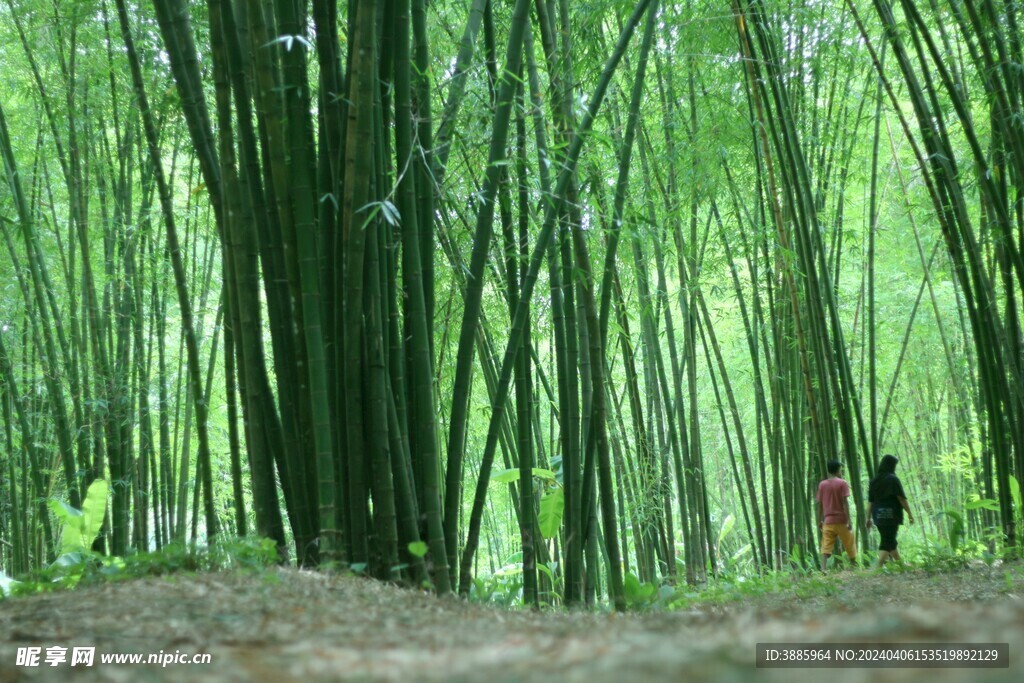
(828, 539)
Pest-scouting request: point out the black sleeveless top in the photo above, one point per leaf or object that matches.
(884, 493)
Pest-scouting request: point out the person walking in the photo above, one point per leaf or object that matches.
(834, 514)
(886, 505)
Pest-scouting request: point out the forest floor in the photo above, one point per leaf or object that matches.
(289, 625)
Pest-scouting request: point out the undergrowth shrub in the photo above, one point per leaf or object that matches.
(78, 563)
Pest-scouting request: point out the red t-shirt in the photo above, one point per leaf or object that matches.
(831, 494)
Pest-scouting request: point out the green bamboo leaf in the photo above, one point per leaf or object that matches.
(289, 42)
(391, 214)
(418, 548)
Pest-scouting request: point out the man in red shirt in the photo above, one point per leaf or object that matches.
(834, 514)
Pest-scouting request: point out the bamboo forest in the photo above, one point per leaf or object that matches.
(527, 303)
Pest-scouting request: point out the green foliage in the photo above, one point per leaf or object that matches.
(815, 587)
(941, 436)
(548, 570)
(638, 594)
(982, 504)
(729, 589)
(935, 557)
(388, 210)
(1018, 509)
(510, 475)
(959, 460)
(740, 559)
(232, 552)
(87, 567)
(552, 506)
(958, 549)
(955, 528)
(503, 588)
(80, 528)
(224, 553)
(727, 526)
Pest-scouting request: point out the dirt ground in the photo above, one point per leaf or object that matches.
(290, 625)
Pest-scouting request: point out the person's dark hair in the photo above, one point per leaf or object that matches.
(887, 465)
(834, 466)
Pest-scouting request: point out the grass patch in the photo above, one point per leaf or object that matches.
(91, 568)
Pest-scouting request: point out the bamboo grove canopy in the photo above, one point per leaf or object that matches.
(583, 292)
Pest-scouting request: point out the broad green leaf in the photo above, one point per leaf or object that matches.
(637, 592)
(983, 504)
(727, 525)
(505, 476)
(741, 552)
(70, 528)
(955, 527)
(79, 528)
(64, 512)
(552, 505)
(93, 509)
(418, 548)
(510, 475)
(631, 584)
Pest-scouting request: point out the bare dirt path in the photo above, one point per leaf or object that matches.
(289, 625)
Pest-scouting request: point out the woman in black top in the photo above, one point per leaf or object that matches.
(886, 503)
